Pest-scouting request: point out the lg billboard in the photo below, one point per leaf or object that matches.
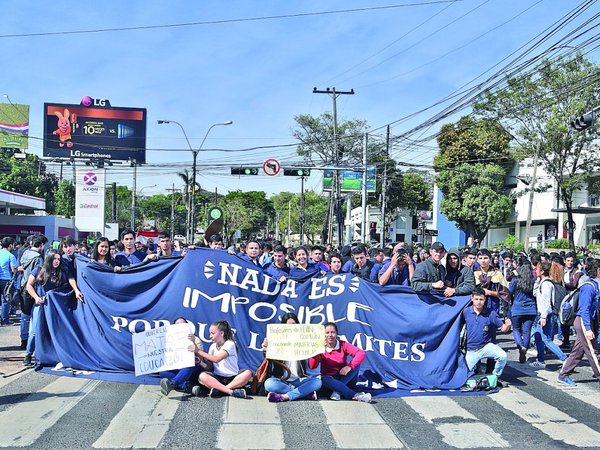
(94, 130)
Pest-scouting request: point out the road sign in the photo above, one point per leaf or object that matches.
(429, 232)
(271, 167)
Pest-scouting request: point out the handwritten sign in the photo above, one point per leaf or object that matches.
(162, 348)
(293, 342)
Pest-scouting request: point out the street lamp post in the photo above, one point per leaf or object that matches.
(192, 203)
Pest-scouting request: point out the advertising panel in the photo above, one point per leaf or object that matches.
(89, 199)
(351, 180)
(94, 130)
(14, 125)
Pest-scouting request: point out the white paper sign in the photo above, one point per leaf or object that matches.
(294, 342)
(162, 348)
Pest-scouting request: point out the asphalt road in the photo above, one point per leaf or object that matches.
(533, 412)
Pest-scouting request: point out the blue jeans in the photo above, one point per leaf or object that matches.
(544, 337)
(522, 329)
(25, 319)
(182, 377)
(341, 384)
(489, 350)
(294, 389)
(5, 311)
(35, 317)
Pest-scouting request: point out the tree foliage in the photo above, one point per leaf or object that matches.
(65, 199)
(250, 212)
(287, 207)
(537, 110)
(473, 160)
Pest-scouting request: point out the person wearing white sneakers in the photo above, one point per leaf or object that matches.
(337, 374)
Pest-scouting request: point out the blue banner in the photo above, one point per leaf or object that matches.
(411, 340)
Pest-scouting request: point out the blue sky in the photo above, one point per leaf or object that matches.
(258, 73)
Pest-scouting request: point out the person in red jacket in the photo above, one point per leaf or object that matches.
(337, 373)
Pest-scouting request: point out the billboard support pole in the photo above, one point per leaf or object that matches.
(363, 227)
(134, 163)
(301, 210)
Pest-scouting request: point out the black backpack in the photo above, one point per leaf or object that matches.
(569, 306)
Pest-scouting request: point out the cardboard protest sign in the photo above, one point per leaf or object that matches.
(293, 342)
(162, 348)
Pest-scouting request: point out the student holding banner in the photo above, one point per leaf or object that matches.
(293, 383)
(337, 374)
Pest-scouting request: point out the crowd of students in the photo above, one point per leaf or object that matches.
(509, 292)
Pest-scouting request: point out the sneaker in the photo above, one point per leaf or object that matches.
(335, 396)
(215, 393)
(362, 397)
(522, 354)
(537, 364)
(196, 391)
(23, 344)
(239, 393)
(313, 396)
(566, 380)
(274, 397)
(166, 386)
(27, 361)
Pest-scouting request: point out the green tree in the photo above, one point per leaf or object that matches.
(537, 109)
(250, 212)
(27, 176)
(65, 199)
(470, 176)
(123, 207)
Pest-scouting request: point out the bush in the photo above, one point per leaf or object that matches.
(558, 243)
(510, 243)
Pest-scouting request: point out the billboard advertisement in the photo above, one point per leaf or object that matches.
(89, 199)
(14, 125)
(94, 130)
(351, 180)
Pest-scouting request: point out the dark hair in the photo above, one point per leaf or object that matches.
(358, 250)
(267, 248)
(387, 252)
(289, 315)
(67, 241)
(7, 242)
(215, 238)
(334, 255)
(125, 232)
(38, 241)
(484, 252)
(536, 259)
(525, 279)
(163, 236)
(297, 249)
(592, 267)
(545, 268)
(175, 321)
(95, 254)
(316, 247)
(331, 324)
(255, 242)
(224, 326)
(280, 248)
(478, 291)
(48, 272)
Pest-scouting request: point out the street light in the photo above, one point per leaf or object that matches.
(192, 206)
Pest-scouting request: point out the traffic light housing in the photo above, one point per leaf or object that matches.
(296, 172)
(585, 121)
(244, 170)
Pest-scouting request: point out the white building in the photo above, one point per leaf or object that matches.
(548, 213)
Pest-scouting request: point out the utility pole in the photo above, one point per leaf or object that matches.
(532, 191)
(335, 182)
(384, 187)
(363, 227)
(301, 210)
(173, 190)
(114, 203)
(134, 164)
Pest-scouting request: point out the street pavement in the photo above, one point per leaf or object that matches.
(54, 412)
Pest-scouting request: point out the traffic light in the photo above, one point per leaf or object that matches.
(585, 121)
(296, 172)
(244, 170)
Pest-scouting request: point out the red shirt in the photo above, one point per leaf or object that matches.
(332, 361)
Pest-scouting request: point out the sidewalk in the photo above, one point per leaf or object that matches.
(11, 355)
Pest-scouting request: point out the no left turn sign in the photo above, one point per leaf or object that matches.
(271, 167)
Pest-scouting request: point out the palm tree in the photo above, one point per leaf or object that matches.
(189, 193)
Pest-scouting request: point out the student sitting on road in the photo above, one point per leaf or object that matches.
(481, 326)
(226, 377)
(183, 379)
(337, 374)
(297, 384)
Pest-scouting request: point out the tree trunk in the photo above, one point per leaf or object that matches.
(568, 199)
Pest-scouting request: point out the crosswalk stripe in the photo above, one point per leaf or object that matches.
(358, 425)
(469, 433)
(546, 418)
(586, 394)
(250, 424)
(142, 422)
(22, 424)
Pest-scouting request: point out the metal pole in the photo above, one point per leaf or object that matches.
(289, 239)
(384, 188)
(301, 211)
(114, 203)
(348, 239)
(363, 227)
(134, 162)
(173, 211)
(531, 192)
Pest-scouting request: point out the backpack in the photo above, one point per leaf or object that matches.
(558, 295)
(12, 291)
(483, 383)
(569, 306)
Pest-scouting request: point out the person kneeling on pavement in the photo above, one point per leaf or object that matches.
(481, 326)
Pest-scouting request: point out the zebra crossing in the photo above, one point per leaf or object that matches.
(43, 411)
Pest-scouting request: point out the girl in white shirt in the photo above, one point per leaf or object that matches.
(226, 377)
